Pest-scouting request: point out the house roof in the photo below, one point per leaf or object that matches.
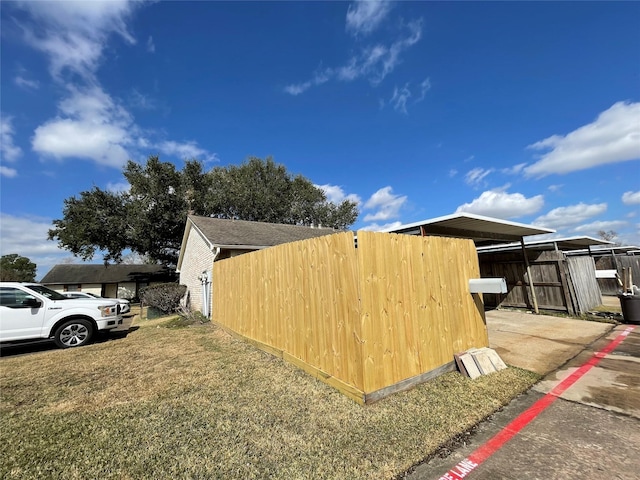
(223, 232)
(483, 230)
(100, 273)
(246, 235)
(565, 244)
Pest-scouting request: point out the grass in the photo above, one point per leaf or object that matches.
(198, 403)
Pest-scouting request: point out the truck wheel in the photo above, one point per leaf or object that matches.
(73, 333)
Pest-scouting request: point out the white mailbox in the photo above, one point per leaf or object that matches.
(488, 285)
(606, 274)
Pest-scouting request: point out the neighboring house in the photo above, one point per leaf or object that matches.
(111, 281)
(208, 239)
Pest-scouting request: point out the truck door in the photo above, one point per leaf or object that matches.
(19, 317)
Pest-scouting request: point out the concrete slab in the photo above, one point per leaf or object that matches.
(567, 440)
(613, 384)
(611, 301)
(540, 343)
(591, 431)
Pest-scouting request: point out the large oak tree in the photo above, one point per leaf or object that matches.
(149, 218)
(16, 268)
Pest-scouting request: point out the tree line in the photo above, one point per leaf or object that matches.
(149, 218)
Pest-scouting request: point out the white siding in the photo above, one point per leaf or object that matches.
(95, 288)
(197, 259)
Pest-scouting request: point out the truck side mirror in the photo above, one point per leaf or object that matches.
(32, 302)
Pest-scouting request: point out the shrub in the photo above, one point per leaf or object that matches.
(164, 296)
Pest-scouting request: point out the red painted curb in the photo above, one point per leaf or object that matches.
(482, 453)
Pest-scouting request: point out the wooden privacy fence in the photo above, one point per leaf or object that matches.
(560, 283)
(370, 320)
(610, 286)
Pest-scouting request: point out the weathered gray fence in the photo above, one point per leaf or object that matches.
(582, 272)
(609, 286)
(559, 284)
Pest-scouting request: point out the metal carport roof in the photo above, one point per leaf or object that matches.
(482, 230)
(565, 244)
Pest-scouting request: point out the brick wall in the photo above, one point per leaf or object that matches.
(197, 259)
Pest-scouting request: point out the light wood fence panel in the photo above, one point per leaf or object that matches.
(300, 298)
(416, 307)
(360, 319)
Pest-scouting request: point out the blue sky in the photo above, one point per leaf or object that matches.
(523, 111)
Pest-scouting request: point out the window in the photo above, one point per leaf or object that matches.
(13, 297)
(47, 292)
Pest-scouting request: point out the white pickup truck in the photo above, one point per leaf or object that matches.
(29, 311)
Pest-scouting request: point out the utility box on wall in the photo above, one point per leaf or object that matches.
(370, 320)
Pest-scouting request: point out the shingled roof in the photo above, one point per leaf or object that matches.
(240, 233)
(100, 273)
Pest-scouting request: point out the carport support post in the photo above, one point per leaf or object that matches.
(534, 300)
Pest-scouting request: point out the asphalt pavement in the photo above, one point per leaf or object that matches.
(581, 421)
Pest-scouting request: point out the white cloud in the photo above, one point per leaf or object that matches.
(186, 151)
(554, 188)
(374, 63)
(453, 172)
(73, 34)
(151, 47)
(10, 152)
(386, 203)
(8, 172)
(500, 204)
(335, 194)
(364, 17)
(27, 236)
(516, 169)
(425, 86)
(375, 227)
(613, 137)
(631, 198)
(476, 177)
(90, 126)
(594, 227)
(141, 101)
(400, 98)
(25, 83)
(563, 217)
(90, 123)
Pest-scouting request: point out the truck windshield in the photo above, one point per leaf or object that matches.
(47, 292)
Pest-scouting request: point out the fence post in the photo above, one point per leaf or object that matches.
(534, 300)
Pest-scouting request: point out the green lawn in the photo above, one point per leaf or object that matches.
(197, 403)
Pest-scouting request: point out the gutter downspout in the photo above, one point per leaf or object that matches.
(206, 280)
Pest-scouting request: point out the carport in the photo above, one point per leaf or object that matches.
(483, 231)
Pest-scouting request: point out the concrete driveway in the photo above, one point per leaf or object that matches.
(540, 343)
(588, 429)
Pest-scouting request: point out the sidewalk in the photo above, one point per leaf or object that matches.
(590, 430)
